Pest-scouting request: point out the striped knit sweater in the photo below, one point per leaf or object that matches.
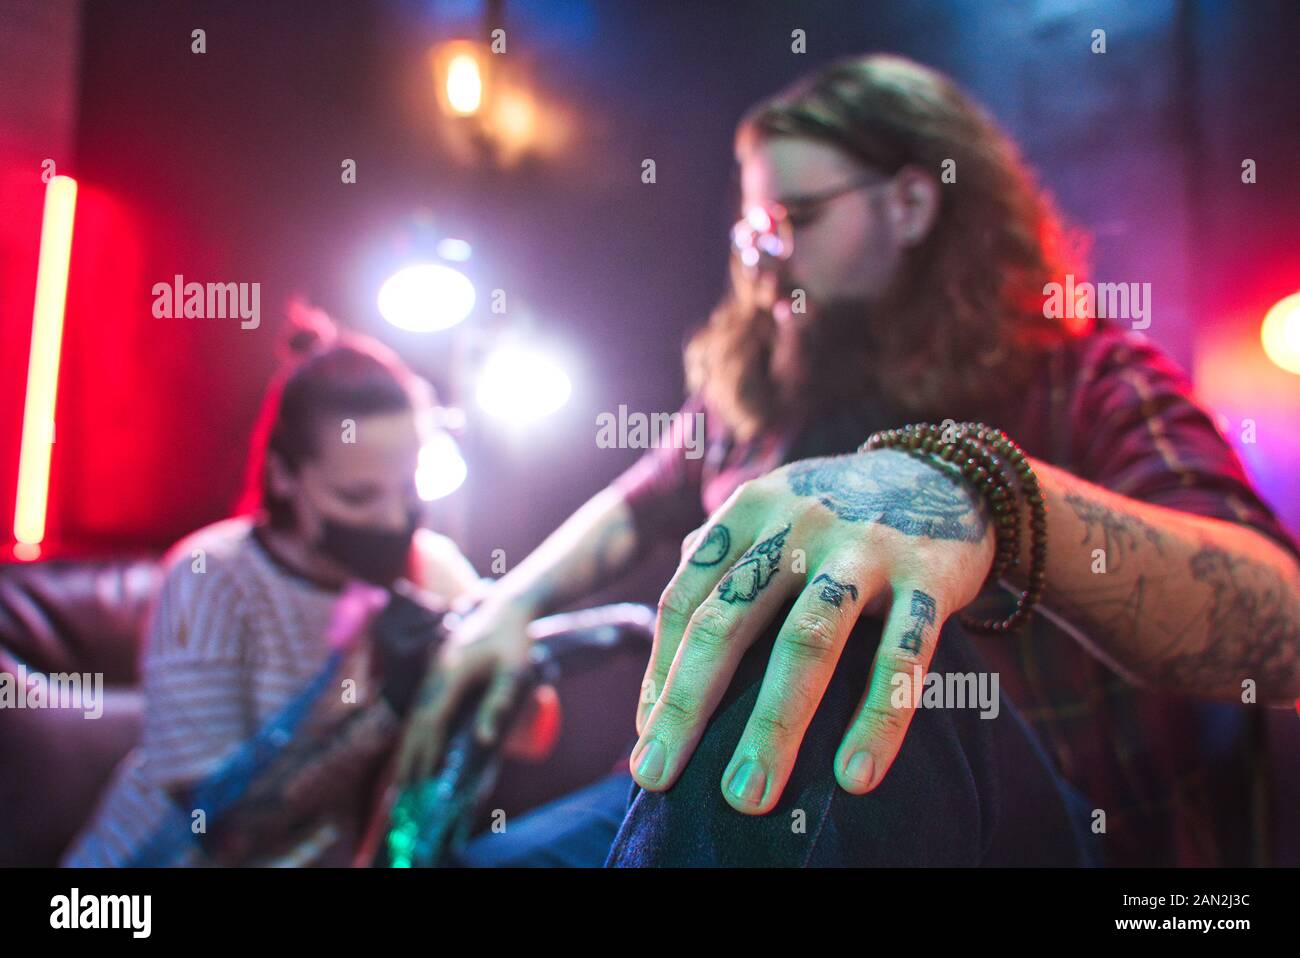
(232, 637)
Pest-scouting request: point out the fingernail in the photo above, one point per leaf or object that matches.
(860, 768)
(748, 782)
(653, 757)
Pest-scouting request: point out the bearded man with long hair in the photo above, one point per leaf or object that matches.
(892, 266)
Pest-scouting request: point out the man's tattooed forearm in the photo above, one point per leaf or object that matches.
(1118, 533)
(715, 547)
(923, 613)
(893, 489)
(834, 591)
(1237, 621)
(1252, 628)
(753, 570)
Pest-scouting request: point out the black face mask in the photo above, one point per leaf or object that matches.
(376, 555)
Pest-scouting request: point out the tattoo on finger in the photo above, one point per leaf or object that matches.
(714, 548)
(834, 591)
(754, 570)
(923, 614)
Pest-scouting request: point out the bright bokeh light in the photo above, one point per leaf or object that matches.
(521, 385)
(454, 250)
(426, 297)
(43, 367)
(1280, 333)
(515, 120)
(464, 84)
(441, 469)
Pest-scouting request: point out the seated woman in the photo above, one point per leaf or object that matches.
(253, 608)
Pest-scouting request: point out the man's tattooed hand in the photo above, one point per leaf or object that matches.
(832, 539)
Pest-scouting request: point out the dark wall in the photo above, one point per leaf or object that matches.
(225, 166)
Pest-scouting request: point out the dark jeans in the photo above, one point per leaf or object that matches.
(571, 832)
(964, 790)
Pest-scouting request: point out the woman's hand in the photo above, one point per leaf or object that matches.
(879, 531)
(489, 646)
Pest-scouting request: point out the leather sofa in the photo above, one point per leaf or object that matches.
(88, 616)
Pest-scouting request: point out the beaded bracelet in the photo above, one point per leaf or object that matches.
(988, 460)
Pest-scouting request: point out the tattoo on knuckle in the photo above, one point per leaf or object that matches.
(920, 628)
(834, 591)
(754, 570)
(710, 550)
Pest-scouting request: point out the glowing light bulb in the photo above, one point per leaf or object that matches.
(464, 84)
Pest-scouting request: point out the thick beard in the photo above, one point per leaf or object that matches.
(828, 356)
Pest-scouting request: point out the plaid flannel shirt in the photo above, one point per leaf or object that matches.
(1177, 778)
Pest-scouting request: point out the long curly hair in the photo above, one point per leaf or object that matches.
(965, 316)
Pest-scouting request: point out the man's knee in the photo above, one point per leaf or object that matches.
(933, 808)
